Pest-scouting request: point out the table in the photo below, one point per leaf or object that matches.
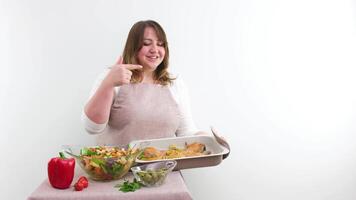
(174, 188)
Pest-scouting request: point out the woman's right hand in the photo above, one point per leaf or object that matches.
(120, 73)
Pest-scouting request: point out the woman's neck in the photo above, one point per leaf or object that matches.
(148, 77)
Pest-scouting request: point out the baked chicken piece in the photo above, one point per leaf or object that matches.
(195, 147)
(151, 153)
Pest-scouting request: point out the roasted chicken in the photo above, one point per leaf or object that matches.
(193, 149)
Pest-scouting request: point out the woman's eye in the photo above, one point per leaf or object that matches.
(146, 43)
(161, 44)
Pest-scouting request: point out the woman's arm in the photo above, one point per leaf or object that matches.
(97, 111)
(98, 107)
(89, 119)
(181, 95)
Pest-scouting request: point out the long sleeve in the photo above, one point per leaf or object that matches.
(181, 95)
(89, 125)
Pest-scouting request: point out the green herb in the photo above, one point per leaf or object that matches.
(87, 152)
(113, 170)
(128, 186)
(116, 169)
(140, 155)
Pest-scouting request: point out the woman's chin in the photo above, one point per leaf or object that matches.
(150, 68)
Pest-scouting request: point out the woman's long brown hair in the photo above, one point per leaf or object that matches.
(133, 45)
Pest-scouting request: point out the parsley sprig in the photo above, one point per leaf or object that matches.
(128, 186)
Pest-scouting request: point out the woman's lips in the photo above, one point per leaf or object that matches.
(152, 58)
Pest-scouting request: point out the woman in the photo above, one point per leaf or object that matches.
(137, 98)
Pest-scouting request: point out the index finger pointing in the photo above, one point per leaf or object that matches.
(132, 67)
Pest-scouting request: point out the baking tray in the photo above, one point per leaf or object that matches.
(214, 158)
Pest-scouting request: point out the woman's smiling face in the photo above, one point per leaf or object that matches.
(152, 51)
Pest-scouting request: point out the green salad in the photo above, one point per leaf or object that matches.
(152, 177)
(107, 163)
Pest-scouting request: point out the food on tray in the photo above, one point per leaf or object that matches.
(105, 162)
(190, 150)
(152, 153)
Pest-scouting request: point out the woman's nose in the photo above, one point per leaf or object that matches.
(154, 48)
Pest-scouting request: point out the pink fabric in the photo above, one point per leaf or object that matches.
(173, 189)
(141, 111)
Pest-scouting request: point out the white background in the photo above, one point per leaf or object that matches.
(276, 78)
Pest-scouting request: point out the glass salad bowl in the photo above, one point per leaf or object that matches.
(153, 174)
(103, 163)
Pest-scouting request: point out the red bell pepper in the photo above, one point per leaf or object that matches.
(61, 171)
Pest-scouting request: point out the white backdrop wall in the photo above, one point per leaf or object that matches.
(276, 78)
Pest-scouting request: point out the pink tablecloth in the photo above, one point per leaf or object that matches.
(174, 188)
